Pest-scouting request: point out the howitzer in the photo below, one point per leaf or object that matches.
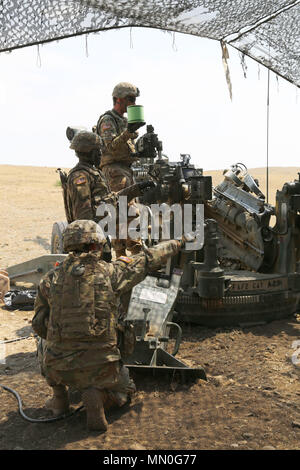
(243, 219)
(196, 286)
(248, 271)
(265, 283)
(176, 182)
(237, 221)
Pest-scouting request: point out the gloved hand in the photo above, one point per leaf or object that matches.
(144, 185)
(134, 126)
(187, 237)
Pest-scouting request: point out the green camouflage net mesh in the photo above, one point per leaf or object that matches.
(266, 30)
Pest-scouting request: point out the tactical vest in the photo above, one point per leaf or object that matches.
(99, 189)
(125, 152)
(82, 303)
(115, 119)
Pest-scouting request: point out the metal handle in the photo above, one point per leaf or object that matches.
(178, 337)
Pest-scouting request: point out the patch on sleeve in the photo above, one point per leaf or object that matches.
(125, 259)
(80, 180)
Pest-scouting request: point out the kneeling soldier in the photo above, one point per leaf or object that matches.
(76, 312)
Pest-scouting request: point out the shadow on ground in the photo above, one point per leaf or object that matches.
(25, 331)
(40, 241)
(19, 362)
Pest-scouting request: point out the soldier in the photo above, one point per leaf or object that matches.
(76, 312)
(86, 186)
(118, 152)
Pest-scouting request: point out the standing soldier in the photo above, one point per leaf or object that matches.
(86, 187)
(76, 312)
(118, 152)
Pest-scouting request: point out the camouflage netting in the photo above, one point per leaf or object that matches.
(266, 30)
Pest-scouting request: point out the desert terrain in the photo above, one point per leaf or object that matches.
(251, 399)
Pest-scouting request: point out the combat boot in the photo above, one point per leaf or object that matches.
(95, 416)
(59, 403)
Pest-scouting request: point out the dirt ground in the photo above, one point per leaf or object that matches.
(251, 399)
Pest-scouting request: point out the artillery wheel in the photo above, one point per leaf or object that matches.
(56, 237)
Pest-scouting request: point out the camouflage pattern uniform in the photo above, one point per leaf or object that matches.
(86, 186)
(86, 189)
(118, 155)
(76, 311)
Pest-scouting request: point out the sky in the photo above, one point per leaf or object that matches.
(183, 90)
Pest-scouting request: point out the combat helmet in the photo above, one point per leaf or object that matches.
(124, 89)
(85, 141)
(82, 232)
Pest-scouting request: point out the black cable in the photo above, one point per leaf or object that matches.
(17, 339)
(33, 420)
(268, 132)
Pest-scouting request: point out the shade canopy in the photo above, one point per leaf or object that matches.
(266, 30)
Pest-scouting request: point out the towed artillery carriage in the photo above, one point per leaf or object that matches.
(247, 271)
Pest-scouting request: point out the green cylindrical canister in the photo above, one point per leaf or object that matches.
(135, 113)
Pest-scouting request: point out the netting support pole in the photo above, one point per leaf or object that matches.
(268, 121)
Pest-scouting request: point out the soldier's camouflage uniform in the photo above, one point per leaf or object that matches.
(117, 157)
(86, 189)
(76, 311)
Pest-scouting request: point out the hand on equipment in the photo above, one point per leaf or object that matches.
(187, 238)
(134, 126)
